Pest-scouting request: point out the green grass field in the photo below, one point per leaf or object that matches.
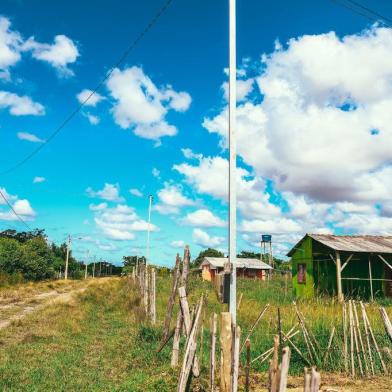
(101, 340)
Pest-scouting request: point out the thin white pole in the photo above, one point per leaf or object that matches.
(148, 230)
(232, 160)
(67, 258)
(87, 258)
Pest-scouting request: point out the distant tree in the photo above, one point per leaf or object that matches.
(210, 252)
(131, 261)
(10, 256)
(248, 255)
(22, 236)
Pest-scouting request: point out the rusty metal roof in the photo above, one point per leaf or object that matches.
(352, 243)
(217, 262)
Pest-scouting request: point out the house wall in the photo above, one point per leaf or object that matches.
(324, 273)
(303, 255)
(208, 274)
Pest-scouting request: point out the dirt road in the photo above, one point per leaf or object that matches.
(11, 311)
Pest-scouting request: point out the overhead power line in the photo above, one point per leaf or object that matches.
(13, 209)
(140, 36)
(364, 11)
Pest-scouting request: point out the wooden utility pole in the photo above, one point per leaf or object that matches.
(94, 268)
(67, 258)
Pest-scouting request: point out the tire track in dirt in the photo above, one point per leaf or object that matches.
(42, 299)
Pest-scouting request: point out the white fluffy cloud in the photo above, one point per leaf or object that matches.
(142, 106)
(120, 222)
(38, 180)
(92, 119)
(210, 176)
(203, 218)
(21, 206)
(30, 137)
(203, 239)
(317, 97)
(136, 192)
(177, 244)
(93, 99)
(20, 105)
(171, 200)
(110, 192)
(60, 54)
(10, 42)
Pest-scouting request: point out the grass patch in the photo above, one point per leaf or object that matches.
(102, 341)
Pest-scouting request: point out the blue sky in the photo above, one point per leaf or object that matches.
(314, 123)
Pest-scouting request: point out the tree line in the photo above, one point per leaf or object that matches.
(29, 256)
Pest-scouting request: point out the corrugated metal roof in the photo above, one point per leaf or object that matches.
(218, 262)
(352, 243)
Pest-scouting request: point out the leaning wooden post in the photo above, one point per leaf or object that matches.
(172, 298)
(176, 340)
(185, 266)
(367, 339)
(345, 352)
(190, 351)
(339, 277)
(387, 323)
(187, 324)
(213, 349)
(236, 357)
(226, 344)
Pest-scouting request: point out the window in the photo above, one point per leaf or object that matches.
(301, 273)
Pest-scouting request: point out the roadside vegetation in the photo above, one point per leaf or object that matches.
(101, 340)
(28, 256)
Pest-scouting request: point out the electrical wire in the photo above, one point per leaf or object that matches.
(13, 209)
(368, 12)
(141, 35)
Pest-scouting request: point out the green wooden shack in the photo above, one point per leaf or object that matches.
(342, 265)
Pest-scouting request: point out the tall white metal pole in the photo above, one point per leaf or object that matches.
(232, 160)
(148, 230)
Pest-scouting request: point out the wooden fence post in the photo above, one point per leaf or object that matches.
(284, 369)
(176, 340)
(212, 354)
(226, 344)
(146, 281)
(247, 367)
(153, 297)
(185, 266)
(172, 298)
